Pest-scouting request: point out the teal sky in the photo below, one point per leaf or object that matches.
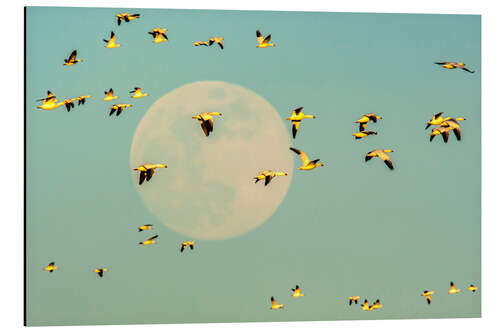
(349, 228)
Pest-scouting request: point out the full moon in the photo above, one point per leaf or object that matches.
(207, 190)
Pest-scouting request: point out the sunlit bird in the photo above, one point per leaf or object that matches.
(126, 17)
(453, 65)
(428, 295)
(472, 288)
(82, 99)
(217, 40)
(207, 121)
(51, 267)
(50, 104)
(263, 42)
(186, 244)
(149, 241)
(296, 292)
(100, 271)
(274, 305)
(365, 119)
(353, 299)
(453, 290)
(444, 131)
(71, 59)
(159, 34)
(382, 154)
(363, 134)
(268, 175)
(306, 163)
(147, 171)
(118, 108)
(200, 43)
(108, 95)
(296, 117)
(69, 103)
(145, 227)
(366, 306)
(137, 93)
(437, 119)
(111, 43)
(453, 124)
(376, 305)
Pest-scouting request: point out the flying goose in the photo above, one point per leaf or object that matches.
(353, 299)
(108, 95)
(453, 290)
(296, 117)
(428, 295)
(71, 59)
(365, 119)
(118, 108)
(159, 34)
(100, 271)
(453, 124)
(306, 163)
(69, 103)
(296, 292)
(81, 99)
(217, 40)
(137, 93)
(366, 306)
(382, 153)
(145, 227)
(376, 305)
(126, 17)
(149, 241)
(274, 305)
(363, 134)
(268, 175)
(111, 43)
(147, 171)
(444, 131)
(472, 288)
(263, 42)
(51, 267)
(186, 244)
(437, 119)
(207, 121)
(453, 65)
(50, 104)
(200, 43)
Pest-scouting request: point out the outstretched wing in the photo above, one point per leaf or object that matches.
(303, 156)
(268, 39)
(295, 127)
(142, 176)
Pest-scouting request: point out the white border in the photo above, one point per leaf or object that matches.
(11, 164)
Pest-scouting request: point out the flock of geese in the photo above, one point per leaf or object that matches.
(206, 120)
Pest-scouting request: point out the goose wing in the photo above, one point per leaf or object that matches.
(112, 39)
(362, 127)
(467, 70)
(295, 127)
(297, 111)
(142, 176)
(260, 39)
(303, 156)
(149, 174)
(72, 56)
(154, 237)
(273, 301)
(268, 179)
(267, 39)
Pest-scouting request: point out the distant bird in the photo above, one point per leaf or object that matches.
(118, 108)
(268, 175)
(365, 119)
(306, 163)
(147, 171)
(296, 117)
(453, 290)
(207, 121)
(217, 40)
(200, 43)
(274, 305)
(81, 99)
(366, 306)
(100, 271)
(50, 104)
(472, 288)
(382, 154)
(296, 292)
(453, 65)
(444, 131)
(126, 17)
(377, 305)
(186, 244)
(453, 124)
(111, 43)
(353, 299)
(69, 104)
(149, 241)
(71, 59)
(145, 227)
(437, 119)
(263, 42)
(137, 93)
(51, 267)
(427, 295)
(108, 95)
(159, 34)
(363, 134)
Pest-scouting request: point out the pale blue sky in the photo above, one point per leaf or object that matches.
(366, 230)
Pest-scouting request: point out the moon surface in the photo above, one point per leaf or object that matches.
(208, 191)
